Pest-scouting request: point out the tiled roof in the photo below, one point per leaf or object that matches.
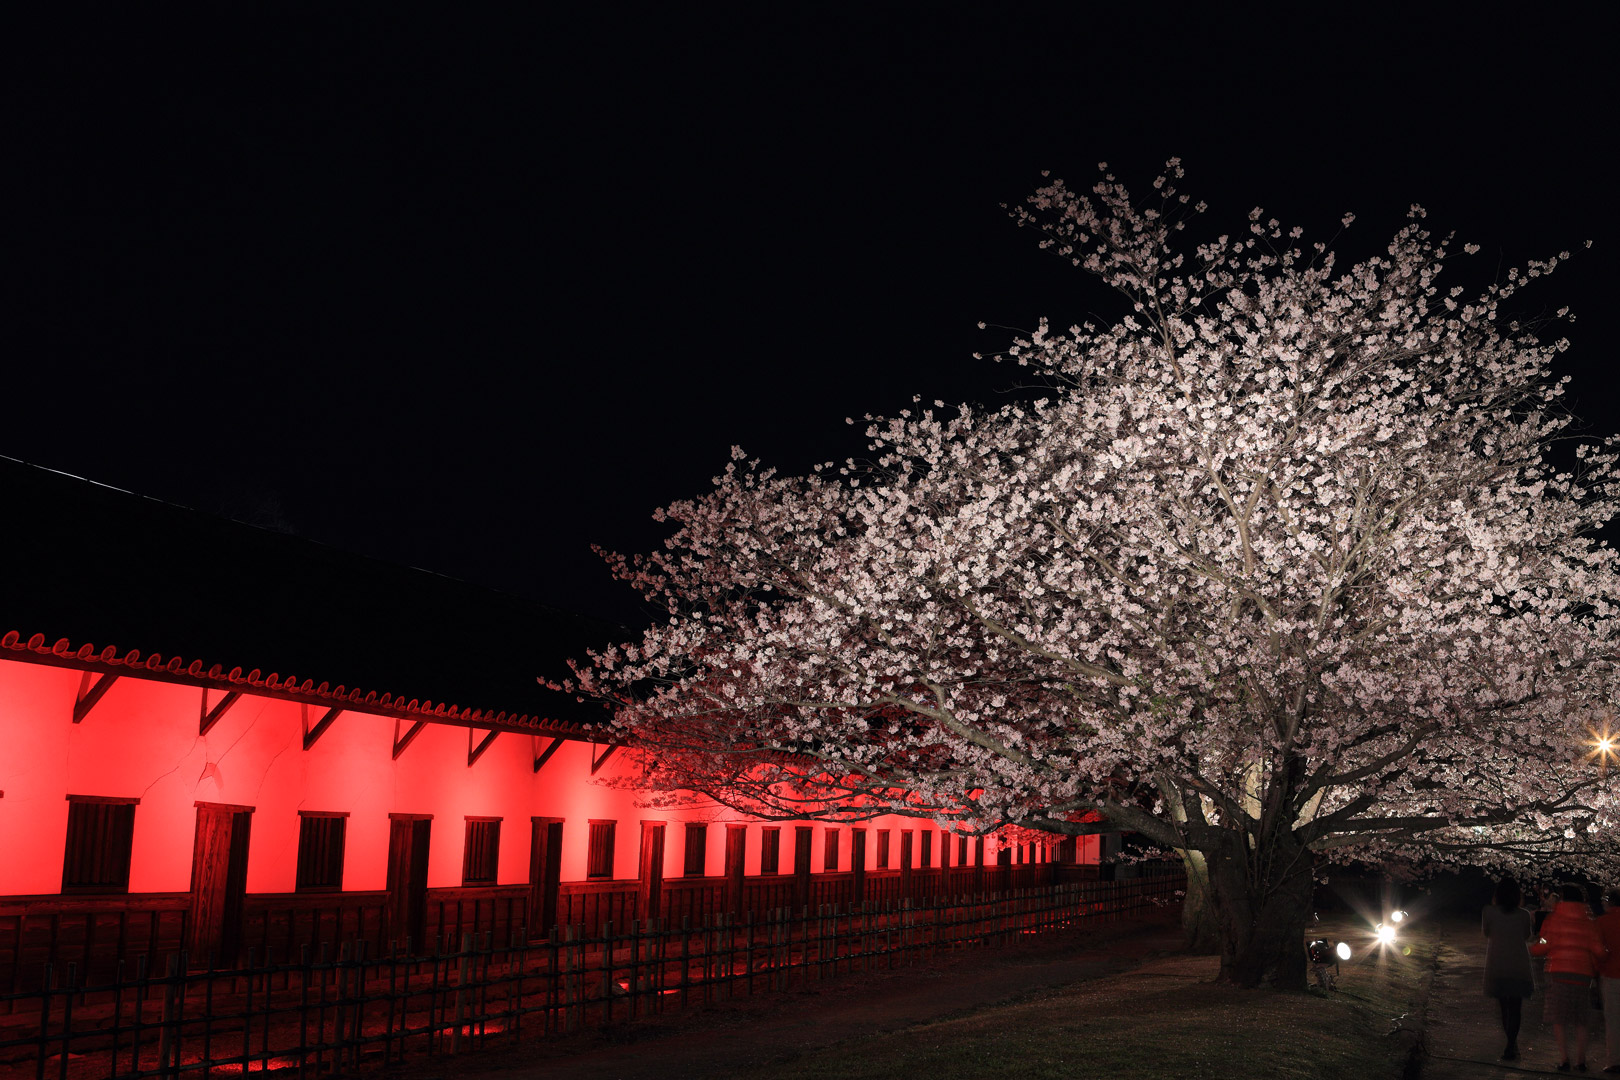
(81, 563)
(175, 669)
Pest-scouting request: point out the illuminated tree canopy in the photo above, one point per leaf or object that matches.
(1276, 567)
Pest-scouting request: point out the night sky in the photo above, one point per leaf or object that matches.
(472, 293)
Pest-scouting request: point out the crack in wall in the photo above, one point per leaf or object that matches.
(243, 735)
(270, 765)
(174, 770)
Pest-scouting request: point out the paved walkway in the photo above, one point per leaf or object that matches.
(1464, 1028)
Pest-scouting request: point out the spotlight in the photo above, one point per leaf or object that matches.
(1324, 966)
(1386, 934)
(1397, 916)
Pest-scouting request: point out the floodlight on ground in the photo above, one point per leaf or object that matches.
(1386, 934)
(1397, 916)
(1325, 962)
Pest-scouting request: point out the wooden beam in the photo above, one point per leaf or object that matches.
(474, 754)
(313, 733)
(598, 762)
(217, 713)
(89, 695)
(543, 756)
(399, 743)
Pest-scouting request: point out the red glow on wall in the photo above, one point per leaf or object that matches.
(142, 740)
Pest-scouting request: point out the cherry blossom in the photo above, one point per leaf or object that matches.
(1278, 567)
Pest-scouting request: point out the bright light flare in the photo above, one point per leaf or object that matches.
(1397, 916)
(1386, 934)
(1604, 743)
(1342, 951)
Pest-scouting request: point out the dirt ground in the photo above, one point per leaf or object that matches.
(749, 1033)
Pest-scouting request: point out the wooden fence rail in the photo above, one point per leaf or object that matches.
(315, 1010)
(98, 933)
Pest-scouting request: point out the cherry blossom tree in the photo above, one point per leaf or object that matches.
(1276, 568)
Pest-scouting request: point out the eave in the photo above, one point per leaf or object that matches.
(195, 673)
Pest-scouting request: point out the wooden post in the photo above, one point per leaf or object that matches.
(166, 1040)
(461, 991)
(905, 864)
(736, 853)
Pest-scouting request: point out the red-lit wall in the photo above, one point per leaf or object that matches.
(141, 741)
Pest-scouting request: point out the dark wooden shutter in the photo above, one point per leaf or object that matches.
(830, 852)
(803, 836)
(697, 843)
(599, 854)
(481, 855)
(883, 849)
(770, 850)
(961, 851)
(927, 858)
(99, 835)
(320, 852)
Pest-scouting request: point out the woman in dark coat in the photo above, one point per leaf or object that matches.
(1509, 929)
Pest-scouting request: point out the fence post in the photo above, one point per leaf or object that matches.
(462, 964)
(607, 972)
(167, 1050)
(634, 982)
(686, 955)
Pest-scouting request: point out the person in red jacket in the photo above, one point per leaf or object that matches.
(1609, 976)
(1573, 947)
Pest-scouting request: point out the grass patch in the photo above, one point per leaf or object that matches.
(1164, 1019)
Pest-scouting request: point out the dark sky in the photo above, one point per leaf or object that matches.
(472, 292)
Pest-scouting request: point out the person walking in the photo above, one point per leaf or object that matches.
(1546, 900)
(1509, 929)
(1573, 947)
(1609, 977)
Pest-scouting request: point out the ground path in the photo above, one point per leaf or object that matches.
(1462, 1037)
(745, 1033)
(1464, 1033)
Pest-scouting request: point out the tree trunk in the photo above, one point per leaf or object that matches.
(1198, 919)
(1262, 904)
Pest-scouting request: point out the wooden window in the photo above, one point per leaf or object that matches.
(830, 852)
(99, 835)
(599, 855)
(961, 851)
(770, 850)
(883, 849)
(480, 856)
(927, 859)
(320, 851)
(697, 848)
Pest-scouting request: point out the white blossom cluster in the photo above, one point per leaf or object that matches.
(1279, 555)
